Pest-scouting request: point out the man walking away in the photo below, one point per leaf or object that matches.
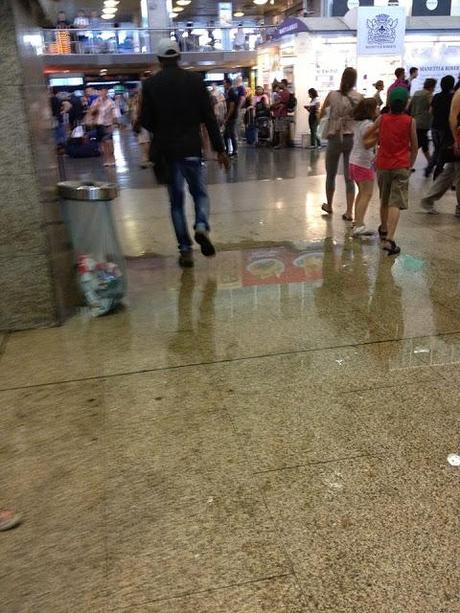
(440, 130)
(175, 102)
(451, 155)
(420, 109)
(231, 118)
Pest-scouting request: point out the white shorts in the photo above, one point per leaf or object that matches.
(143, 137)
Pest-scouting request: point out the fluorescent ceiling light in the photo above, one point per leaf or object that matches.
(172, 15)
(238, 14)
(178, 9)
(260, 2)
(184, 2)
(111, 3)
(108, 11)
(107, 16)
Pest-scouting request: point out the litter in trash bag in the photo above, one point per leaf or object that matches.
(102, 284)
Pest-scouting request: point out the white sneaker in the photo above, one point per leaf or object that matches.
(362, 231)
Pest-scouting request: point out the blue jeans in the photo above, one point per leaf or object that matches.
(190, 170)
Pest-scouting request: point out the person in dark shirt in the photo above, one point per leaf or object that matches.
(62, 23)
(175, 103)
(440, 131)
(231, 119)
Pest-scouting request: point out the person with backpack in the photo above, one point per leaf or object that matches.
(340, 128)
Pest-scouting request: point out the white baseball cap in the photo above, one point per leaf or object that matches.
(168, 48)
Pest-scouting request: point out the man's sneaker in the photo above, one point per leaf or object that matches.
(9, 520)
(186, 259)
(457, 211)
(427, 205)
(433, 211)
(362, 231)
(207, 248)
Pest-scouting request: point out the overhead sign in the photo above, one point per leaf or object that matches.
(381, 30)
(225, 13)
(291, 25)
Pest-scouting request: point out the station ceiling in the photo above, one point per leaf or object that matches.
(198, 9)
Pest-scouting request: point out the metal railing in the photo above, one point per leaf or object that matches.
(132, 41)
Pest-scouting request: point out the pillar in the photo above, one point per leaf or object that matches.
(35, 263)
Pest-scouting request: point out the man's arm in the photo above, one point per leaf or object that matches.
(454, 113)
(145, 117)
(230, 111)
(413, 143)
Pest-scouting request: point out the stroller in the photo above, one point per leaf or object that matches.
(263, 124)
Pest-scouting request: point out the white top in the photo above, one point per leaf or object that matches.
(81, 22)
(360, 156)
(106, 110)
(315, 102)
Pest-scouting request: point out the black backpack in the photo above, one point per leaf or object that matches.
(292, 103)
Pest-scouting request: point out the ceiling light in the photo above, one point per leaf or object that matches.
(111, 3)
(172, 15)
(110, 12)
(107, 16)
(178, 9)
(238, 14)
(184, 2)
(260, 2)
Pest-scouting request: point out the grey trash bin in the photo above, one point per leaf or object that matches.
(100, 263)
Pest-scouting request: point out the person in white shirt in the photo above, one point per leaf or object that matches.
(361, 169)
(104, 110)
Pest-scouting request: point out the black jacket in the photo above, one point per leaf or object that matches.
(175, 102)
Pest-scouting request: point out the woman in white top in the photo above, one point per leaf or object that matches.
(313, 111)
(341, 104)
(104, 109)
(362, 161)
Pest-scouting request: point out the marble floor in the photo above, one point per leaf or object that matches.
(269, 432)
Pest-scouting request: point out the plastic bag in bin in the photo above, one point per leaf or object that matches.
(101, 283)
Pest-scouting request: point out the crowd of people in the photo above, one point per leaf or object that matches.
(382, 141)
(83, 125)
(377, 140)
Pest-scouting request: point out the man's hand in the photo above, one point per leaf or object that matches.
(223, 160)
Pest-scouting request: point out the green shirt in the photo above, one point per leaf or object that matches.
(420, 109)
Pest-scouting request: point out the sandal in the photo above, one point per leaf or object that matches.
(392, 248)
(382, 233)
(345, 218)
(326, 208)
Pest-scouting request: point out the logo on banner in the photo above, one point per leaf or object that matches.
(382, 30)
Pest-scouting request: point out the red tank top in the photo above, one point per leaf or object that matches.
(394, 141)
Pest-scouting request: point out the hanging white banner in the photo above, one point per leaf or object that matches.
(381, 30)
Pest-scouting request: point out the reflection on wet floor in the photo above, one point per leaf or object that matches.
(274, 431)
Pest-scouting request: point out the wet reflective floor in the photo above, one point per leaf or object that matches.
(267, 432)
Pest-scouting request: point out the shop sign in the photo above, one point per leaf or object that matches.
(292, 25)
(381, 30)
